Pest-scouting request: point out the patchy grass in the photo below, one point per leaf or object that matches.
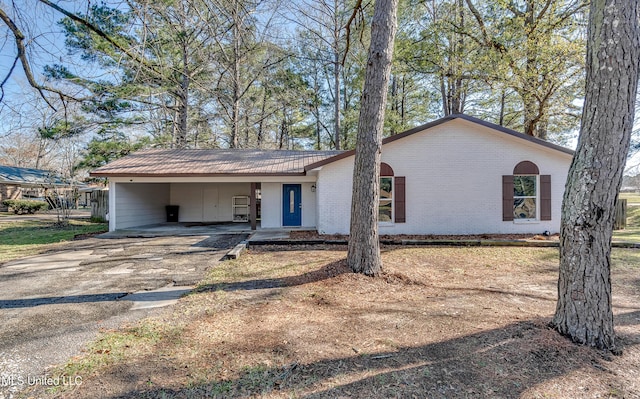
(31, 237)
(440, 323)
(632, 232)
(115, 346)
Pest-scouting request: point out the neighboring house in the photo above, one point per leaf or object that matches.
(456, 175)
(17, 183)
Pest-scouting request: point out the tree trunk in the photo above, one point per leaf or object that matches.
(247, 130)
(394, 100)
(337, 65)
(284, 131)
(262, 118)
(584, 311)
(403, 101)
(183, 111)
(316, 109)
(364, 247)
(445, 97)
(235, 111)
(503, 98)
(458, 84)
(336, 100)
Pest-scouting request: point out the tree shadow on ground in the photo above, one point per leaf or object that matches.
(31, 302)
(505, 362)
(326, 272)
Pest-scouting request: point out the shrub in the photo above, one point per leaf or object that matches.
(20, 207)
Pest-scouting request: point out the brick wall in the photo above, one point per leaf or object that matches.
(453, 182)
(8, 191)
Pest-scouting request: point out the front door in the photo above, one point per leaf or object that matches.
(291, 205)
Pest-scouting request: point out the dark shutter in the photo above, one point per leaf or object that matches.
(399, 200)
(545, 197)
(507, 198)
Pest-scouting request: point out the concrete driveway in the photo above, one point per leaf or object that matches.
(53, 304)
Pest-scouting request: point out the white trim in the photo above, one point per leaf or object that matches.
(112, 206)
(393, 203)
(526, 221)
(536, 198)
(214, 179)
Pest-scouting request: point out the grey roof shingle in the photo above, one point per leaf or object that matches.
(29, 176)
(165, 163)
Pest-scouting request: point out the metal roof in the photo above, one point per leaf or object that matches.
(28, 176)
(229, 162)
(167, 163)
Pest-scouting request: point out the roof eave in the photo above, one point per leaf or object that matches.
(440, 121)
(32, 184)
(510, 132)
(106, 174)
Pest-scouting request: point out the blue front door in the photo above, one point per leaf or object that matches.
(291, 205)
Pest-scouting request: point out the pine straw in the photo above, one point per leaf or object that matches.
(314, 235)
(440, 323)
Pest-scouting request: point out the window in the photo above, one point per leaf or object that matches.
(385, 208)
(525, 197)
(391, 208)
(526, 194)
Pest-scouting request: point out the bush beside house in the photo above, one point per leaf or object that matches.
(20, 207)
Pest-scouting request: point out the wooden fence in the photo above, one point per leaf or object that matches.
(99, 204)
(620, 222)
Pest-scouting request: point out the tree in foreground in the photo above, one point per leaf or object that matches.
(364, 248)
(584, 310)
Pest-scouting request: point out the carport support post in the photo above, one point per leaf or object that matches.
(253, 207)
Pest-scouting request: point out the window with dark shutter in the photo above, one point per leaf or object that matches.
(392, 207)
(526, 195)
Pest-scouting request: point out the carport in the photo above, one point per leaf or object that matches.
(138, 204)
(264, 188)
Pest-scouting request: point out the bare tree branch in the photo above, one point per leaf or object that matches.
(22, 56)
(15, 62)
(95, 29)
(356, 9)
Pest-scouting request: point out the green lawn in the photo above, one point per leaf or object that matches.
(30, 237)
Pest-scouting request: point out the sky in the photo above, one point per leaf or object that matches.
(45, 46)
(40, 22)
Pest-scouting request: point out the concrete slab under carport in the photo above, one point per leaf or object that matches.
(193, 229)
(180, 229)
(259, 235)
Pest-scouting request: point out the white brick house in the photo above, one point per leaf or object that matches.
(456, 175)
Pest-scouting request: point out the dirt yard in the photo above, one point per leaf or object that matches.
(440, 323)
